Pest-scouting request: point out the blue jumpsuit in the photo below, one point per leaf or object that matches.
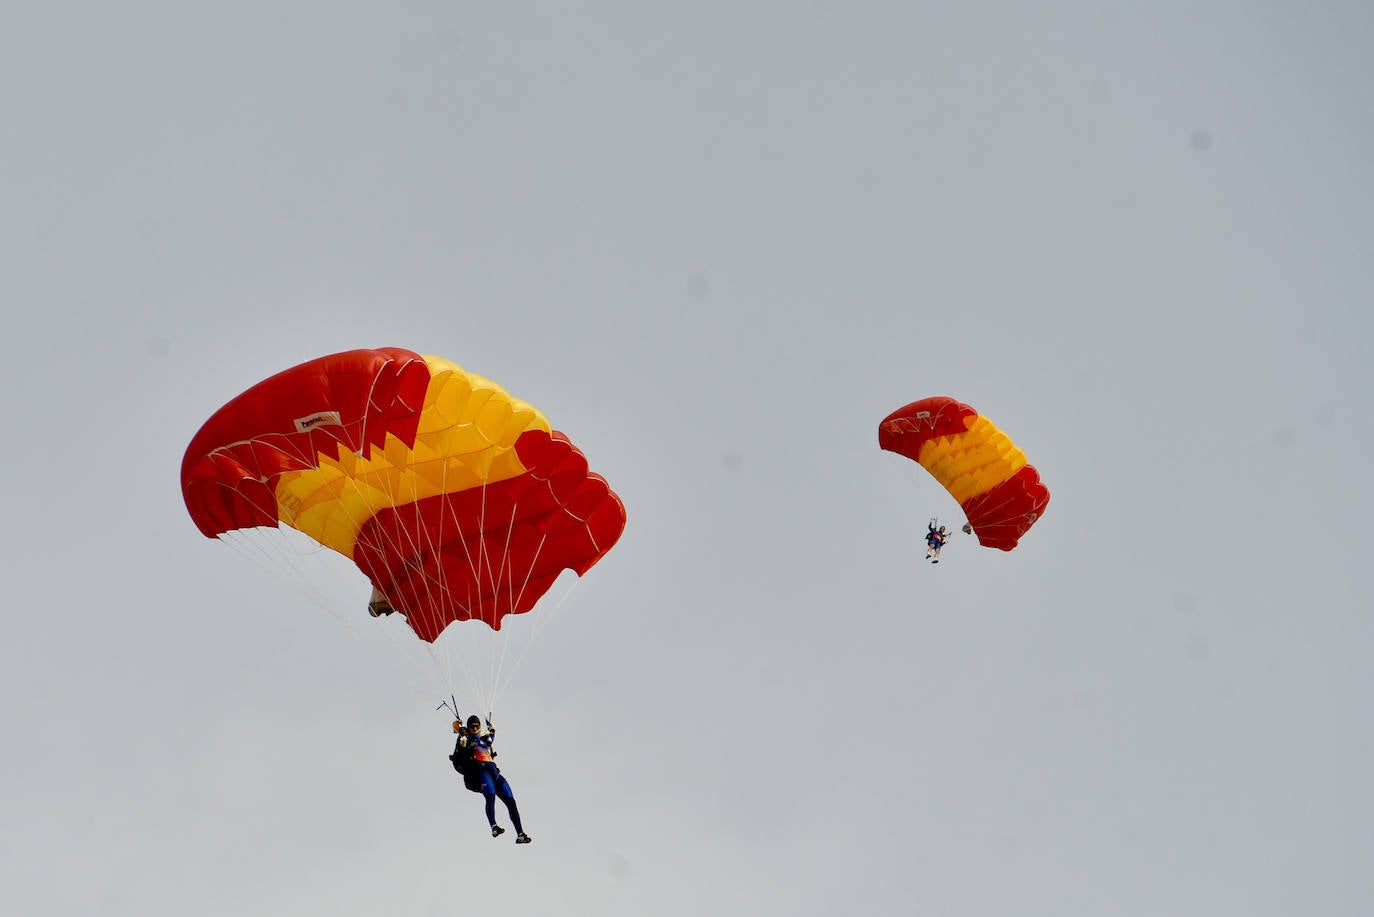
(493, 784)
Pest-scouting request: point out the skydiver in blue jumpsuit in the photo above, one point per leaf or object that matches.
(935, 540)
(481, 774)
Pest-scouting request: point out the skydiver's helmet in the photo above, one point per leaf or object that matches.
(942, 530)
(457, 726)
(474, 722)
(968, 529)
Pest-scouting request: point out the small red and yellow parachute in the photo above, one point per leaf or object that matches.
(1001, 494)
(458, 501)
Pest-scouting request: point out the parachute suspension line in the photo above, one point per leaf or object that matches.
(501, 580)
(483, 568)
(540, 617)
(537, 617)
(365, 491)
(419, 674)
(273, 550)
(270, 549)
(495, 573)
(499, 659)
(277, 564)
(504, 659)
(452, 705)
(504, 575)
(456, 647)
(435, 541)
(445, 660)
(443, 588)
(539, 624)
(425, 679)
(419, 541)
(517, 595)
(405, 542)
(543, 620)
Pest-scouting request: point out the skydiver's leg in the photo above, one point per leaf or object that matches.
(504, 791)
(491, 808)
(489, 794)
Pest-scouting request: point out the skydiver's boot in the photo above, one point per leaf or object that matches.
(522, 838)
(497, 831)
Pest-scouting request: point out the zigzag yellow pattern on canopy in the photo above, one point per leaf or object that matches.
(972, 463)
(465, 438)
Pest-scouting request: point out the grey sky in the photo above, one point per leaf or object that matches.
(716, 244)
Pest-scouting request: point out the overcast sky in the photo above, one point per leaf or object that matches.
(715, 243)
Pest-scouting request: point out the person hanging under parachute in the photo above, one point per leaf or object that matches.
(457, 501)
(935, 540)
(474, 758)
(1000, 493)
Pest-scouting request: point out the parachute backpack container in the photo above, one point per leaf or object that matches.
(1000, 493)
(457, 501)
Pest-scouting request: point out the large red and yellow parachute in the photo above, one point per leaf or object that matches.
(457, 501)
(1001, 494)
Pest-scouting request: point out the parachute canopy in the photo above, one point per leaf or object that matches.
(457, 501)
(978, 464)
